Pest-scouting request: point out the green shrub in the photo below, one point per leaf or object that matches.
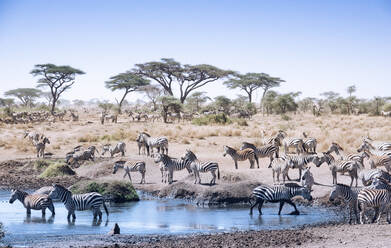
(285, 117)
(57, 169)
(116, 191)
(220, 119)
(40, 164)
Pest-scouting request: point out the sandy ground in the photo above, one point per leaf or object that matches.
(207, 144)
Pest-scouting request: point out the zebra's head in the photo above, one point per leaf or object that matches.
(334, 147)
(46, 140)
(318, 161)
(15, 194)
(117, 165)
(189, 156)
(227, 149)
(157, 157)
(305, 193)
(339, 190)
(379, 183)
(365, 146)
(106, 148)
(26, 133)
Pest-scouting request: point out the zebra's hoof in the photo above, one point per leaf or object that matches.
(295, 213)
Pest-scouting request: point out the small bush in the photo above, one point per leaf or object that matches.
(220, 119)
(88, 138)
(40, 164)
(242, 122)
(57, 169)
(116, 191)
(285, 117)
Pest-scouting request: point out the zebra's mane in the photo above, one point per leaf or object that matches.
(147, 134)
(21, 191)
(292, 185)
(61, 187)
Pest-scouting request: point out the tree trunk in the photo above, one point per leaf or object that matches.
(53, 105)
(249, 96)
(122, 100)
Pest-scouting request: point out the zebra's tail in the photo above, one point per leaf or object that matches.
(105, 207)
(218, 172)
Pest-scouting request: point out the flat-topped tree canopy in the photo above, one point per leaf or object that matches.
(127, 81)
(188, 77)
(57, 78)
(25, 95)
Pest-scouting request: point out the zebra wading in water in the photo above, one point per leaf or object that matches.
(349, 196)
(119, 148)
(240, 155)
(33, 201)
(379, 199)
(160, 143)
(171, 164)
(279, 193)
(129, 166)
(203, 167)
(79, 202)
(262, 152)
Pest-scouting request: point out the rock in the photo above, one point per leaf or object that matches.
(115, 230)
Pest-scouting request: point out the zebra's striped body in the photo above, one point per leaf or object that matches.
(280, 166)
(240, 155)
(297, 143)
(375, 159)
(129, 166)
(160, 143)
(79, 202)
(279, 193)
(385, 147)
(349, 196)
(171, 165)
(300, 161)
(379, 199)
(367, 176)
(33, 201)
(40, 146)
(119, 148)
(262, 152)
(203, 167)
(350, 166)
(309, 144)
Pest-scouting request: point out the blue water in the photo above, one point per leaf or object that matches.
(154, 216)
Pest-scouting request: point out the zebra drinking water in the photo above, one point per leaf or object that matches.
(307, 180)
(279, 193)
(198, 166)
(171, 165)
(240, 155)
(79, 202)
(161, 143)
(129, 166)
(33, 201)
(379, 199)
(349, 196)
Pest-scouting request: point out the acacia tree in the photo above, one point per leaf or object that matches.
(57, 78)
(169, 103)
(26, 95)
(127, 81)
(153, 92)
(188, 77)
(268, 83)
(248, 82)
(351, 89)
(196, 99)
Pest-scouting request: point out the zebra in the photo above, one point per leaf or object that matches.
(171, 165)
(309, 144)
(336, 148)
(161, 143)
(198, 166)
(350, 166)
(380, 183)
(301, 161)
(298, 143)
(79, 202)
(280, 166)
(40, 146)
(32, 136)
(307, 180)
(385, 146)
(276, 140)
(376, 160)
(349, 196)
(141, 145)
(119, 148)
(279, 193)
(367, 176)
(262, 152)
(379, 199)
(33, 201)
(240, 155)
(131, 167)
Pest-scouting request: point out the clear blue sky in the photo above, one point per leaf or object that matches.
(315, 46)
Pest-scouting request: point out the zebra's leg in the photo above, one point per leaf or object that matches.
(236, 164)
(299, 174)
(257, 160)
(213, 181)
(296, 212)
(281, 206)
(51, 208)
(251, 163)
(253, 205)
(142, 177)
(376, 214)
(99, 213)
(271, 160)
(43, 211)
(352, 179)
(195, 176)
(362, 212)
(28, 211)
(260, 207)
(334, 173)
